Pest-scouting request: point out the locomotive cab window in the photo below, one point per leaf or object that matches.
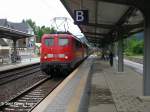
(63, 41)
(49, 41)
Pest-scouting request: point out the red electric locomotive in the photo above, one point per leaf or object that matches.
(61, 52)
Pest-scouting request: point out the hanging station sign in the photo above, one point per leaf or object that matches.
(81, 17)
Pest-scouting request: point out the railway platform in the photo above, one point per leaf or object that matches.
(23, 62)
(96, 87)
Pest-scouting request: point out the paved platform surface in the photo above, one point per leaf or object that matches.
(112, 91)
(23, 62)
(97, 87)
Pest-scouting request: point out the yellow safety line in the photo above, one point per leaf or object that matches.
(75, 101)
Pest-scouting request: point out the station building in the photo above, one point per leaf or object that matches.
(24, 45)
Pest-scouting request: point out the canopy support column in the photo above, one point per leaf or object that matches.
(120, 56)
(146, 69)
(14, 53)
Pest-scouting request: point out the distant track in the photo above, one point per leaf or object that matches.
(15, 74)
(137, 60)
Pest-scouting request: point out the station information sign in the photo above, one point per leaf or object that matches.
(81, 17)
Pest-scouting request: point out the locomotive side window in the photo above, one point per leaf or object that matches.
(49, 41)
(63, 41)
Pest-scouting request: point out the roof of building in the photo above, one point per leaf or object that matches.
(3, 22)
(23, 26)
(12, 30)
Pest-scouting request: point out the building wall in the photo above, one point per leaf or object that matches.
(21, 43)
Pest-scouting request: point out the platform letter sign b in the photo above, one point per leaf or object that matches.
(81, 17)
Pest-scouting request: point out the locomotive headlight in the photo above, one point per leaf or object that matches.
(45, 57)
(66, 57)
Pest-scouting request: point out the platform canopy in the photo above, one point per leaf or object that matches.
(12, 33)
(109, 20)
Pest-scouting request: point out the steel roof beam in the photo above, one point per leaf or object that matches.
(136, 32)
(94, 42)
(90, 38)
(123, 2)
(105, 26)
(97, 39)
(140, 25)
(93, 37)
(125, 16)
(122, 20)
(129, 34)
(91, 33)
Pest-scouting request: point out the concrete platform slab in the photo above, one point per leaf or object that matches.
(125, 87)
(102, 108)
(25, 62)
(97, 87)
(100, 97)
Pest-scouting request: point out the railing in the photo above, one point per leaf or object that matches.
(15, 58)
(22, 53)
(5, 59)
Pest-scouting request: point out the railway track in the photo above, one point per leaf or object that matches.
(137, 60)
(15, 74)
(29, 98)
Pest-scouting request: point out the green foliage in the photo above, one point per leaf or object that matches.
(138, 48)
(133, 46)
(44, 30)
(39, 31)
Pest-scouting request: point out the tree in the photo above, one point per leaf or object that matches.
(134, 46)
(32, 24)
(39, 31)
(44, 30)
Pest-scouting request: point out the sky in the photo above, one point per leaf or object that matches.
(40, 11)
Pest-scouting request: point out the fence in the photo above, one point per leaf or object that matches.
(7, 56)
(5, 60)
